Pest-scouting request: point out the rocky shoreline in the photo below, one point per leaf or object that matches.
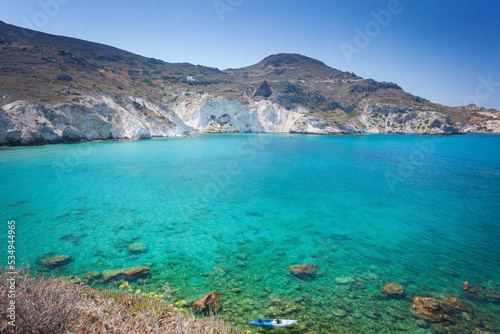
(91, 118)
(446, 315)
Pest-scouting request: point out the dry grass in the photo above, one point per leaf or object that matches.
(49, 305)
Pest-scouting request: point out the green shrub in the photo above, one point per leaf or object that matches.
(138, 106)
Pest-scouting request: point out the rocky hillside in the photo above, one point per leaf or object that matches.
(57, 89)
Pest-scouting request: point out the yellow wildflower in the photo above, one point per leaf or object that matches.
(180, 303)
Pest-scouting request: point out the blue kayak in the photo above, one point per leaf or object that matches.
(272, 323)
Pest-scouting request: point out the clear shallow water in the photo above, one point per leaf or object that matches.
(231, 212)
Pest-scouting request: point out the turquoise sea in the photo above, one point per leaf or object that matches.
(230, 212)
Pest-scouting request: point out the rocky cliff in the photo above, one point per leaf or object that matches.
(106, 118)
(23, 123)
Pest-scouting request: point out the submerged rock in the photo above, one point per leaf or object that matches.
(209, 303)
(279, 307)
(59, 260)
(481, 293)
(422, 323)
(241, 257)
(90, 276)
(74, 238)
(345, 280)
(124, 242)
(393, 290)
(71, 279)
(137, 248)
(455, 303)
(305, 271)
(431, 308)
(51, 261)
(129, 274)
(339, 313)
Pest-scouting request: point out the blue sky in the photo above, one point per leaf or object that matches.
(445, 51)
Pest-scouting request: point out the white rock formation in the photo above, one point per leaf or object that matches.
(91, 118)
(382, 119)
(97, 118)
(215, 114)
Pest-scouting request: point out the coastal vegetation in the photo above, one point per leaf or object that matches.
(55, 305)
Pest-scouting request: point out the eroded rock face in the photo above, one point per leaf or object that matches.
(129, 274)
(393, 290)
(209, 303)
(430, 308)
(264, 90)
(130, 117)
(376, 118)
(91, 118)
(305, 271)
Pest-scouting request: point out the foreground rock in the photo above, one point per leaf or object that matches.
(479, 292)
(129, 274)
(51, 261)
(305, 271)
(209, 303)
(430, 308)
(393, 290)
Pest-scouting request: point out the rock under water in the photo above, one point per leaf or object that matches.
(305, 271)
(430, 308)
(209, 303)
(129, 274)
(393, 290)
